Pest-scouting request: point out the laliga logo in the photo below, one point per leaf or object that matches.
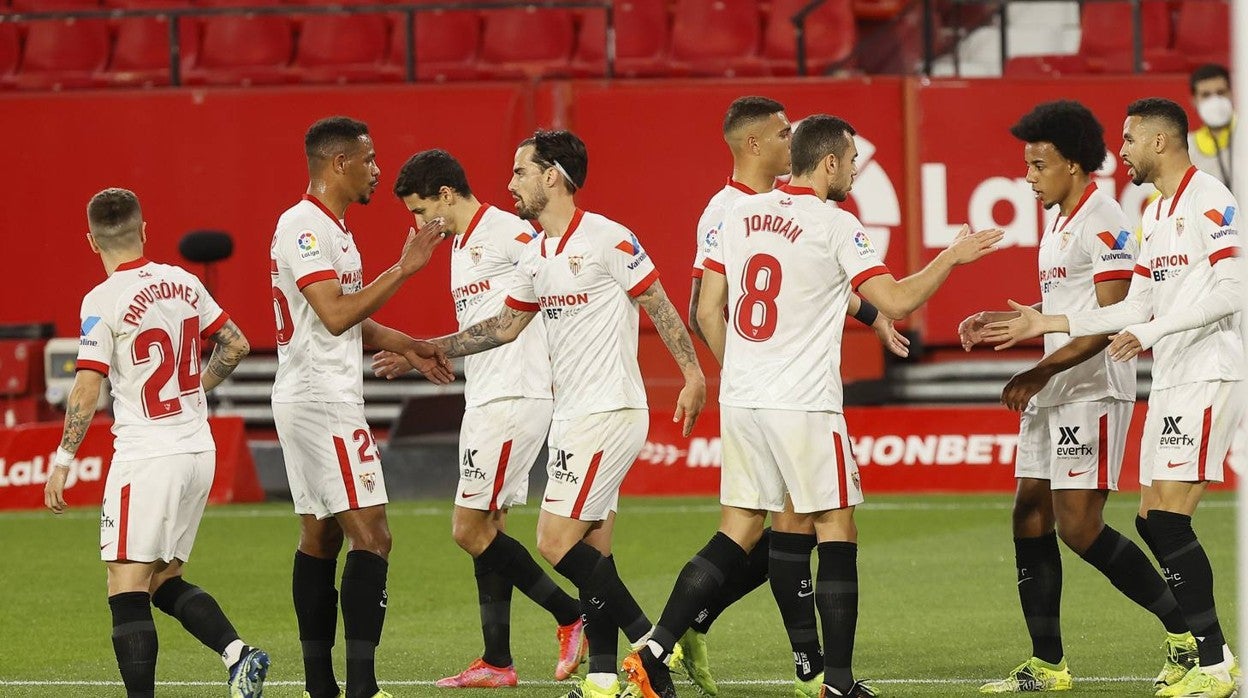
(21, 473)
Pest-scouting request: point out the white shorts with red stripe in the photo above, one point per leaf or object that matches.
(768, 453)
(152, 507)
(498, 444)
(1188, 431)
(332, 462)
(589, 457)
(1076, 446)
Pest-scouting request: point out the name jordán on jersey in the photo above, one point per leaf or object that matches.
(165, 290)
(780, 225)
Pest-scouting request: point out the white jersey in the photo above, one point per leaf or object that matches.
(710, 225)
(142, 328)
(483, 267)
(311, 245)
(791, 262)
(583, 284)
(1183, 238)
(1093, 244)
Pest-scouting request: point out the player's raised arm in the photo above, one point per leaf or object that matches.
(487, 334)
(231, 347)
(661, 311)
(899, 298)
(341, 311)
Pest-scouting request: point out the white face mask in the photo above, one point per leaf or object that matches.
(1215, 110)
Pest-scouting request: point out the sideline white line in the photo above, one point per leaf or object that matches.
(729, 682)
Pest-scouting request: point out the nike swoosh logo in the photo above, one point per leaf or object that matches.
(1072, 473)
(1172, 464)
(548, 499)
(105, 546)
(467, 495)
(804, 594)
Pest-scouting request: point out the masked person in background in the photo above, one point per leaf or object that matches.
(1210, 145)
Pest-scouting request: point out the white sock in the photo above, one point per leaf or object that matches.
(655, 648)
(603, 679)
(232, 653)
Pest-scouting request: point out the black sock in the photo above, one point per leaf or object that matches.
(596, 576)
(197, 611)
(494, 597)
(1141, 527)
(363, 614)
(134, 642)
(603, 636)
(740, 582)
(701, 580)
(316, 609)
(509, 558)
(794, 591)
(1187, 571)
(836, 596)
(1130, 571)
(1039, 564)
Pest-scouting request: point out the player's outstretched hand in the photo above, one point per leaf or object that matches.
(1023, 387)
(971, 330)
(1007, 333)
(389, 365)
(431, 362)
(888, 335)
(54, 490)
(418, 247)
(968, 247)
(689, 404)
(1124, 346)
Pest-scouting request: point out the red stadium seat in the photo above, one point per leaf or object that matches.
(10, 50)
(341, 48)
(641, 39)
(830, 36)
(447, 46)
(527, 42)
(62, 54)
(1203, 32)
(878, 9)
(1107, 42)
(243, 50)
(716, 37)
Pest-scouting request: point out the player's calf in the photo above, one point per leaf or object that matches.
(134, 642)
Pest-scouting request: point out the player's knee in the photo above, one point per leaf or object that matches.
(472, 536)
(1079, 533)
(551, 548)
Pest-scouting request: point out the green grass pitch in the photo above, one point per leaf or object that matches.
(939, 612)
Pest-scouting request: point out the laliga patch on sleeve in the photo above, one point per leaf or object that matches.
(863, 244)
(308, 246)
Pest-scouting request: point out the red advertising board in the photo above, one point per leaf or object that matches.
(898, 450)
(26, 460)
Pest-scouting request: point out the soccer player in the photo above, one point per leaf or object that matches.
(1075, 405)
(142, 328)
(586, 275)
(794, 262)
(758, 134)
(509, 406)
(322, 308)
(1183, 302)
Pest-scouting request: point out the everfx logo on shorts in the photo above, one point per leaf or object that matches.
(1068, 443)
(558, 469)
(1172, 435)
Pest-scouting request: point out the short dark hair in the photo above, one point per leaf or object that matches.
(744, 110)
(1070, 127)
(332, 135)
(565, 149)
(425, 173)
(816, 138)
(1207, 71)
(113, 215)
(1166, 110)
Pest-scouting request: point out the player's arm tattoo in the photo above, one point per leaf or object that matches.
(80, 408)
(231, 347)
(671, 328)
(487, 334)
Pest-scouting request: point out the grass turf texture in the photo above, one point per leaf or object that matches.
(938, 615)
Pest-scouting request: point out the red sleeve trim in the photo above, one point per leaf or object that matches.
(714, 266)
(877, 270)
(1142, 271)
(322, 275)
(697, 272)
(1222, 254)
(1116, 275)
(217, 324)
(89, 365)
(641, 286)
(522, 305)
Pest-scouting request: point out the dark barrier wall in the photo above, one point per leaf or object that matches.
(232, 159)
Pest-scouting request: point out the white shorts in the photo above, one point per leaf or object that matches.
(767, 453)
(332, 462)
(152, 507)
(1188, 431)
(589, 457)
(498, 443)
(1076, 446)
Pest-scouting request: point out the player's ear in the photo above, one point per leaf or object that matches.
(143, 233)
(91, 241)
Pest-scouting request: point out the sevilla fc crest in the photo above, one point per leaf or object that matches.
(574, 263)
(368, 480)
(474, 253)
(1178, 226)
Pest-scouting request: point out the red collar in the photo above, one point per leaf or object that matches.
(740, 187)
(1178, 194)
(472, 225)
(1087, 194)
(577, 215)
(796, 191)
(133, 264)
(326, 211)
